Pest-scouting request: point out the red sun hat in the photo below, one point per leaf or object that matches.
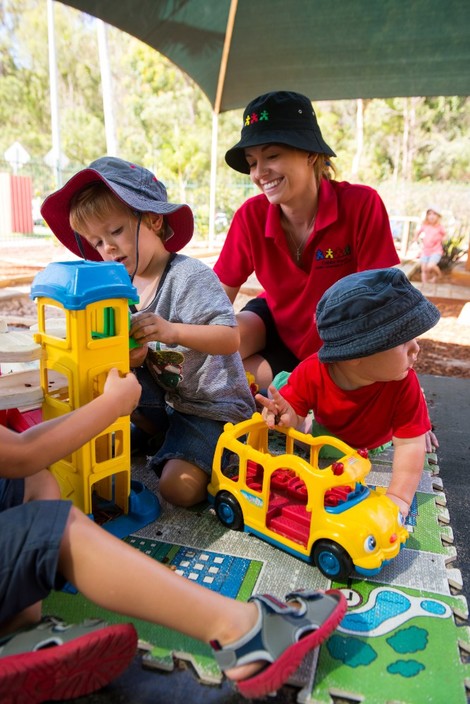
(135, 186)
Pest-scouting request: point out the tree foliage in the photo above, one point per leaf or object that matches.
(164, 121)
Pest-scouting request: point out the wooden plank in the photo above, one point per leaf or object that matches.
(23, 389)
(18, 346)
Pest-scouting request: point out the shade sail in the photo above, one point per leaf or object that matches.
(326, 49)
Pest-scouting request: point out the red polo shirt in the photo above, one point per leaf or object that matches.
(351, 233)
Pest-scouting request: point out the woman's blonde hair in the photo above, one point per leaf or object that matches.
(324, 168)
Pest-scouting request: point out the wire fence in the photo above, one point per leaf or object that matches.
(23, 189)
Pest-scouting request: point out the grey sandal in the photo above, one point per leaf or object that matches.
(55, 661)
(281, 638)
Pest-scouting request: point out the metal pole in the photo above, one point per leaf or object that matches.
(55, 125)
(111, 143)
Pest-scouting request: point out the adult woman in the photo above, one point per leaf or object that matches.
(300, 235)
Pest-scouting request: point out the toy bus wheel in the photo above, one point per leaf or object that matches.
(332, 560)
(228, 511)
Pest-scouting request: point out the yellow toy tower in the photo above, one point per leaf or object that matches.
(92, 300)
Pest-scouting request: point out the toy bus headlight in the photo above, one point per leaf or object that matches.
(370, 543)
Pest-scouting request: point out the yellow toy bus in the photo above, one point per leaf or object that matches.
(325, 515)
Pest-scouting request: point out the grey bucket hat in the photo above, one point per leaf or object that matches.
(135, 186)
(369, 312)
(280, 117)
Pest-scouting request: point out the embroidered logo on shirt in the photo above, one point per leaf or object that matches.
(331, 254)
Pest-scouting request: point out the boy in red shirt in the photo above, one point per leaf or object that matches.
(361, 385)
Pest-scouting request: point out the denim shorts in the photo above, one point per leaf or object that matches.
(186, 437)
(30, 537)
(11, 493)
(276, 353)
(430, 258)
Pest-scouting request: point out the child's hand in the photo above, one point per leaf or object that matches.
(277, 411)
(137, 356)
(149, 327)
(401, 503)
(123, 391)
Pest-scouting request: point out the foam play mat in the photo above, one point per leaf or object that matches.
(403, 639)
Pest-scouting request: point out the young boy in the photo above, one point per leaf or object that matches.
(46, 543)
(188, 361)
(361, 385)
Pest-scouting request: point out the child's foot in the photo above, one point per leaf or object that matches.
(53, 661)
(282, 636)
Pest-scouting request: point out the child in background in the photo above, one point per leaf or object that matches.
(188, 361)
(432, 250)
(45, 544)
(361, 385)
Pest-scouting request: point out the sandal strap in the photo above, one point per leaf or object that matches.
(48, 632)
(318, 607)
(278, 626)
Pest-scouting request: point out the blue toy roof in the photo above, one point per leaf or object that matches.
(77, 284)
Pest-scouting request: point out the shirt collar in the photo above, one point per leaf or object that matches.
(327, 212)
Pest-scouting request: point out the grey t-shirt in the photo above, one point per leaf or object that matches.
(211, 386)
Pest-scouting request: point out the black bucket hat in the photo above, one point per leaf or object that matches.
(371, 311)
(280, 117)
(135, 186)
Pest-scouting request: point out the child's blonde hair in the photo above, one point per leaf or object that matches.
(97, 201)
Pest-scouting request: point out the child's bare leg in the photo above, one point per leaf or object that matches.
(183, 483)
(41, 486)
(27, 617)
(118, 577)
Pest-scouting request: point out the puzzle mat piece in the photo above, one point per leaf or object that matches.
(196, 565)
(235, 577)
(399, 646)
(405, 570)
(200, 528)
(386, 457)
(228, 575)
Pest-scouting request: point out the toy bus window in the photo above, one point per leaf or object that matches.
(254, 475)
(230, 465)
(327, 455)
(281, 444)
